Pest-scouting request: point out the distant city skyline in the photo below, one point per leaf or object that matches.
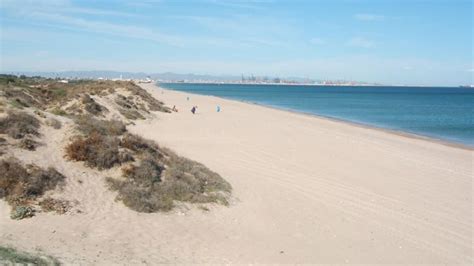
(188, 77)
(389, 42)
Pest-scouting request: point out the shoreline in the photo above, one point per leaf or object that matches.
(339, 120)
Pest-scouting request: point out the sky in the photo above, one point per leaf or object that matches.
(391, 42)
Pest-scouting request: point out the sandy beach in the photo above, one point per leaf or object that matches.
(305, 190)
(312, 190)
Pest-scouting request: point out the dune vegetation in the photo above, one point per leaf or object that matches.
(11, 256)
(93, 116)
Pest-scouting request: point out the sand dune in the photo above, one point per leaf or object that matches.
(307, 190)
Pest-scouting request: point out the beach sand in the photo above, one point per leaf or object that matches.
(306, 190)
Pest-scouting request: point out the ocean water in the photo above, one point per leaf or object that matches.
(440, 113)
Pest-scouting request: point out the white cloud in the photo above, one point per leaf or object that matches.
(95, 26)
(361, 42)
(317, 41)
(265, 31)
(369, 17)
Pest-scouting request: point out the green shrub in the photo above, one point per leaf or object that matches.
(11, 256)
(22, 212)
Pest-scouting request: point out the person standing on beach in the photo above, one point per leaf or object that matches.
(193, 110)
(218, 108)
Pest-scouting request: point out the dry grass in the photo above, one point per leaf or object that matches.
(55, 205)
(19, 124)
(20, 185)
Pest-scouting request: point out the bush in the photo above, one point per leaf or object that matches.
(22, 212)
(147, 173)
(97, 151)
(140, 145)
(19, 124)
(28, 144)
(91, 106)
(89, 125)
(209, 181)
(20, 185)
(162, 177)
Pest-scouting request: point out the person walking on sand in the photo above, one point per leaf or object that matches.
(193, 110)
(218, 108)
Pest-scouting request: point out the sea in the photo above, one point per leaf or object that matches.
(440, 113)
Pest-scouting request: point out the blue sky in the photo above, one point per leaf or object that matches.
(396, 42)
